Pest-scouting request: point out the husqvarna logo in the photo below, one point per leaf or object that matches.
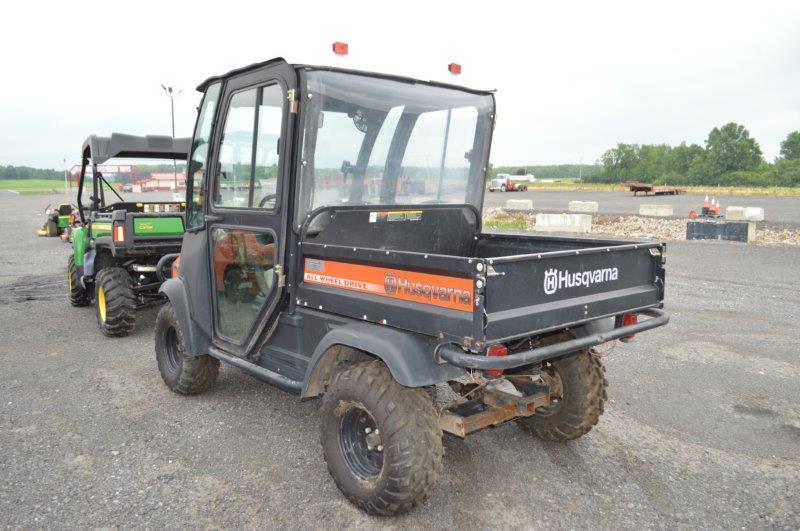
(550, 281)
(555, 279)
(390, 283)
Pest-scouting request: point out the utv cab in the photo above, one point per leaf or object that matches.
(334, 248)
(116, 251)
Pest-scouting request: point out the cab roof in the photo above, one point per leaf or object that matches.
(280, 60)
(102, 148)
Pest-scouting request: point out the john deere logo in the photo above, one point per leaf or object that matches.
(390, 283)
(146, 226)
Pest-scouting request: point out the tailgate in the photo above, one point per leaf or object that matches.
(538, 292)
(157, 227)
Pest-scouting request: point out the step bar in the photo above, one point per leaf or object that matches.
(278, 380)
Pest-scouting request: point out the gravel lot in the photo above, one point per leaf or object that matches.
(702, 428)
(777, 210)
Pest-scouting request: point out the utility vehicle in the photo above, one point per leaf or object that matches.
(58, 220)
(504, 183)
(116, 251)
(353, 287)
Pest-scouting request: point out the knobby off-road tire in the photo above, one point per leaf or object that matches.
(405, 458)
(51, 229)
(78, 296)
(114, 302)
(182, 374)
(579, 401)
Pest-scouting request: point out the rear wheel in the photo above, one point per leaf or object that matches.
(115, 302)
(183, 374)
(577, 394)
(77, 294)
(381, 441)
(51, 228)
(503, 188)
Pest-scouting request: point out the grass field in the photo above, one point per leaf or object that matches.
(568, 186)
(32, 186)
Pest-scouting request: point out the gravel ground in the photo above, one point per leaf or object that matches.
(782, 211)
(702, 429)
(672, 229)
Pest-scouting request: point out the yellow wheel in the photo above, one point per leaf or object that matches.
(115, 302)
(101, 302)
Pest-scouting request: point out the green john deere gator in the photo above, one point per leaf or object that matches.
(117, 252)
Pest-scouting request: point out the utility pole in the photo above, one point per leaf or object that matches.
(169, 92)
(66, 181)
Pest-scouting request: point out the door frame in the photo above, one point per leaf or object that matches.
(248, 218)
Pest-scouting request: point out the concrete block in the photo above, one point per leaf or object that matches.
(655, 210)
(581, 223)
(737, 213)
(583, 206)
(737, 231)
(519, 204)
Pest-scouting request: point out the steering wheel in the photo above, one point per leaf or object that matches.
(266, 199)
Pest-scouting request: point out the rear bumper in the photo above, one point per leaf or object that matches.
(455, 355)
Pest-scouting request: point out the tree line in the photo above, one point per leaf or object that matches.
(26, 172)
(547, 171)
(730, 157)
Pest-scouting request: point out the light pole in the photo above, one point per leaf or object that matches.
(66, 181)
(169, 92)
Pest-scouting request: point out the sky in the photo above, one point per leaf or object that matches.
(572, 78)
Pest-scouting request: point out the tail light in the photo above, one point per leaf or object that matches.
(340, 48)
(119, 233)
(493, 351)
(627, 320)
(176, 267)
(454, 68)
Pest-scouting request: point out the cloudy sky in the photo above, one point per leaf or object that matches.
(572, 79)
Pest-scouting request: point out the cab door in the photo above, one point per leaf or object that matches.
(246, 212)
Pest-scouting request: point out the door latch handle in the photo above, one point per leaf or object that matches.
(209, 218)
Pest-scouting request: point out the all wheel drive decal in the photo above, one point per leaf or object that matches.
(438, 290)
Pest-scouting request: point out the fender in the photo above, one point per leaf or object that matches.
(197, 342)
(408, 356)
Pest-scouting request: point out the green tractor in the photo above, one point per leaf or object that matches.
(121, 249)
(58, 220)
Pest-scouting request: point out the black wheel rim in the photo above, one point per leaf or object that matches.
(171, 349)
(360, 443)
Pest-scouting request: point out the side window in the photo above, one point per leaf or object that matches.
(232, 186)
(198, 161)
(270, 121)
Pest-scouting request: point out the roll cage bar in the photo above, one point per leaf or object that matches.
(99, 149)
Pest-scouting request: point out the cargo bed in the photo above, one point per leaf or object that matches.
(478, 288)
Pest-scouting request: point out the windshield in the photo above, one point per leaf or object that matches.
(375, 141)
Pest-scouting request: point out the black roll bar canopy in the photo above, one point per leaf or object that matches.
(99, 149)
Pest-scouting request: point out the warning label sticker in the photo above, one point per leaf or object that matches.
(395, 215)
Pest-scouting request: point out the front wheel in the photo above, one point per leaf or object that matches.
(381, 441)
(503, 188)
(577, 397)
(115, 302)
(77, 294)
(183, 374)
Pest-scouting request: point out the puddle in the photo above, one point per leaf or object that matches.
(34, 288)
